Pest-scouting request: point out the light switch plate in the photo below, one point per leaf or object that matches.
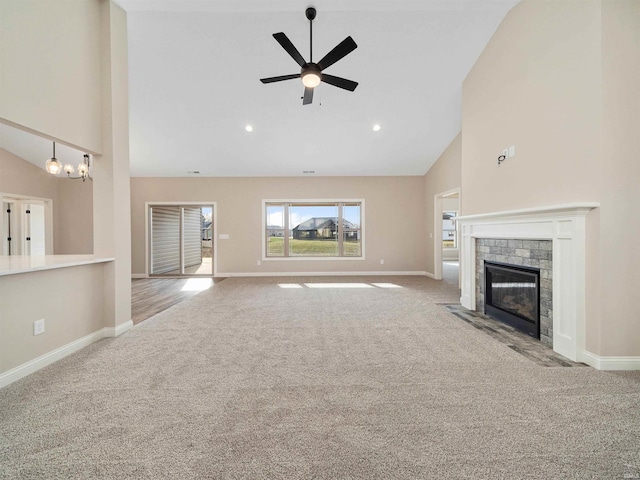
(38, 327)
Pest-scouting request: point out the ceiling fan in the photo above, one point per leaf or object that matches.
(311, 73)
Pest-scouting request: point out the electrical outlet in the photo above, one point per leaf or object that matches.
(38, 327)
(382, 261)
(259, 263)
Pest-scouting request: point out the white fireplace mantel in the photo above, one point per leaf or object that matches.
(565, 225)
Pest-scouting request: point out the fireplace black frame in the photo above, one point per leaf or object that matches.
(520, 322)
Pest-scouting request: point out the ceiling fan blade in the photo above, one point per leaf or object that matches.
(343, 49)
(308, 96)
(280, 78)
(283, 40)
(339, 82)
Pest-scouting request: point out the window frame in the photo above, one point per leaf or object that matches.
(311, 202)
(455, 230)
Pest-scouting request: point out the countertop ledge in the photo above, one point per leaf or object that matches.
(14, 264)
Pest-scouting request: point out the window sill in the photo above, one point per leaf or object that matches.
(313, 259)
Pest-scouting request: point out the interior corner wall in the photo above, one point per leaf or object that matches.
(559, 81)
(50, 57)
(19, 177)
(443, 176)
(394, 219)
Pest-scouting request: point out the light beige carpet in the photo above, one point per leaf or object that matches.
(251, 380)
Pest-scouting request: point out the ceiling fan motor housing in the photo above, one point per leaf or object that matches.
(310, 13)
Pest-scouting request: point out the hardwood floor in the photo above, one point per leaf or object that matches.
(153, 295)
(519, 342)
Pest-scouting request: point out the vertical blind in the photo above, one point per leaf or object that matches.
(192, 236)
(165, 239)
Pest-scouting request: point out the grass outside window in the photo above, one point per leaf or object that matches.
(310, 229)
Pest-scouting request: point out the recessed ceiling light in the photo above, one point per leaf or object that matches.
(376, 128)
(249, 128)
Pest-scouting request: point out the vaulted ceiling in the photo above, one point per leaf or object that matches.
(195, 65)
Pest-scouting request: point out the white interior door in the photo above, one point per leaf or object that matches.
(36, 229)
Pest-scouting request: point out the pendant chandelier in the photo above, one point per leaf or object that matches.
(54, 167)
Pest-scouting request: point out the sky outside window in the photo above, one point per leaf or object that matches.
(299, 214)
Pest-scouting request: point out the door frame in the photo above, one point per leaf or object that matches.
(147, 236)
(437, 229)
(19, 220)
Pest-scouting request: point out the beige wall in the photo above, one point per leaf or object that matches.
(536, 86)
(442, 177)
(72, 201)
(64, 77)
(619, 178)
(112, 211)
(28, 297)
(394, 218)
(560, 81)
(20, 177)
(50, 59)
(74, 225)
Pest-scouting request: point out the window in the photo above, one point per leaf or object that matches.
(449, 229)
(313, 229)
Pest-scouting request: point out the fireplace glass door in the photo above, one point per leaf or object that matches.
(512, 294)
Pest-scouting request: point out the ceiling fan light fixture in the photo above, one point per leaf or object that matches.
(311, 79)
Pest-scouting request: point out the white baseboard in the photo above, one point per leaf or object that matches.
(118, 329)
(611, 363)
(139, 275)
(42, 361)
(317, 274)
(430, 275)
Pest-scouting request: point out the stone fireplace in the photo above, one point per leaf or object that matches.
(551, 239)
(525, 254)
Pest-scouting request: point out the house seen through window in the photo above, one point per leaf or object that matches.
(331, 229)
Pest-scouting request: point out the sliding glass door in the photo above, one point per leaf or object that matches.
(181, 240)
